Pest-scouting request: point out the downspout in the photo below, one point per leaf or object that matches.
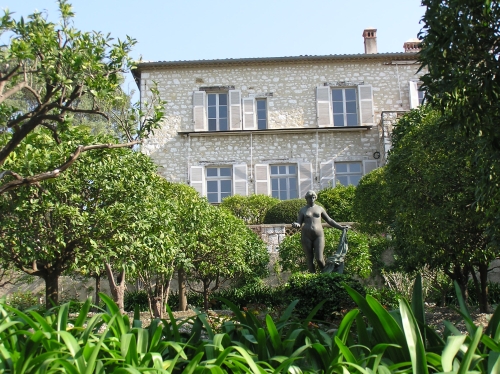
(251, 157)
(189, 160)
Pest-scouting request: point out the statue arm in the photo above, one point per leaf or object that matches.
(331, 222)
(300, 220)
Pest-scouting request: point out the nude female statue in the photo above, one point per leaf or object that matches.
(313, 237)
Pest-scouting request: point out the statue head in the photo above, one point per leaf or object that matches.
(311, 193)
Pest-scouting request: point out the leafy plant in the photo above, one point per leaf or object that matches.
(338, 202)
(136, 299)
(285, 211)
(251, 209)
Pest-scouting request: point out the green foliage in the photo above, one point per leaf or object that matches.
(371, 205)
(338, 202)
(285, 211)
(251, 209)
(386, 296)
(23, 300)
(357, 262)
(135, 299)
(311, 289)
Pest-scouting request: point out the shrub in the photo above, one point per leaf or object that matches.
(24, 300)
(251, 209)
(357, 261)
(257, 293)
(285, 211)
(136, 298)
(311, 289)
(338, 202)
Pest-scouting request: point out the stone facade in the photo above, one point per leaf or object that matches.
(295, 133)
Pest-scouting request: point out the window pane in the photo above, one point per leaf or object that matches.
(223, 111)
(355, 179)
(352, 119)
(212, 99)
(225, 172)
(212, 197)
(276, 194)
(292, 169)
(261, 105)
(223, 124)
(341, 168)
(338, 107)
(211, 172)
(274, 184)
(337, 95)
(212, 112)
(212, 186)
(293, 184)
(282, 184)
(282, 169)
(350, 94)
(338, 120)
(223, 195)
(350, 107)
(283, 195)
(343, 180)
(225, 186)
(355, 167)
(222, 99)
(274, 170)
(293, 194)
(212, 125)
(262, 124)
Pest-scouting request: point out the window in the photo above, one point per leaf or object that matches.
(284, 181)
(344, 107)
(347, 173)
(219, 183)
(261, 114)
(217, 111)
(421, 95)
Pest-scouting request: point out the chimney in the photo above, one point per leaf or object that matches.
(370, 35)
(412, 45)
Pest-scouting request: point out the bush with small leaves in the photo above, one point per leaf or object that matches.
(285, 212)
(251, 209)
(338, 202)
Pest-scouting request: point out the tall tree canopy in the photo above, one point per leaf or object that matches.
(51, 72)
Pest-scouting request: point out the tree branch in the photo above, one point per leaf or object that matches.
(20, 181)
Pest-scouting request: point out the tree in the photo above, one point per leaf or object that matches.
(461, 50)
(88, 218)
(57, 72)
(430, 174)
(338, 201)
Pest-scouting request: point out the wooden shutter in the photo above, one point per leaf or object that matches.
(199, 110)
(369, 165)
(327, 174)
(197, 179)
(249, 117)
(305, 178)
(366, 114)
(262, 185)
(414, 103)
(240, 185)
(324, 106)
(234, 110)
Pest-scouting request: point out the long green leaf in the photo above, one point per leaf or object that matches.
(494, 363)
(413, 339)
(84, 311)
(469, 355)
(493, 329)
(471, 328)
(91, 363)
(273, 335)
(417, 306)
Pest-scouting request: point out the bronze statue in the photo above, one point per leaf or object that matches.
(313, 237)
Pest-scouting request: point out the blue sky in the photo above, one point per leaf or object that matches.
(168, 30)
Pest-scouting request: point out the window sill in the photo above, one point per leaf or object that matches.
(276, 131)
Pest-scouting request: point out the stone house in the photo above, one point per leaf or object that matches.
(278, 126)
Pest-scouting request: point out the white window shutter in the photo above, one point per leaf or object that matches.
(324, 106)
(199, 110)
(366, 114)
(240, 185)
(369, 165)
(262, 185)
(414, 103)
(197, 179)
(235, 110)
(249, 117)
(327, 174)
(305, 178)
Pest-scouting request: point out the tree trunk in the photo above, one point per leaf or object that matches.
(206, 292)
(182, 290)
(157, 300)
(483, 299)
(97, 289)
(117, 289)
(51, 290)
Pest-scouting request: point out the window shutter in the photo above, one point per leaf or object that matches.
(413, 95)
(327, 174)
(199, 111)
(262, 185)
(369, 165)
(235, 109)
(249, 117)
(305, 178)
(240, 186)
(366, 114)
(324, 106)
(197, 179)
